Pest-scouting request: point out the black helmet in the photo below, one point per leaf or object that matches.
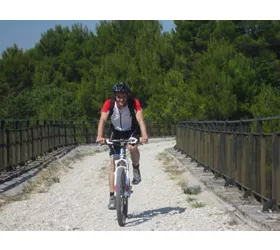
(121, 87)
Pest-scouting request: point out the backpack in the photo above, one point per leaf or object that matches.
(130, 103)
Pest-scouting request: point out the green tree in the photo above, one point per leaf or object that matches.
(224, 80)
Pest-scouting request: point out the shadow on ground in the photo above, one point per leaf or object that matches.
(149, 214)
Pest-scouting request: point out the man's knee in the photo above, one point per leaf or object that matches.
(133, 149)
(112, 165)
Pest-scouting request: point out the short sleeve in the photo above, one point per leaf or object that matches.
(106, 106)
(137, 105)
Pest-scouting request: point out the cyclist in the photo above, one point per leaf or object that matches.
(123, 127)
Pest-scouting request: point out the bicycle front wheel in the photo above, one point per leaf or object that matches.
(121, 200)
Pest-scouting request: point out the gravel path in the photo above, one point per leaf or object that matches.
(79, 201)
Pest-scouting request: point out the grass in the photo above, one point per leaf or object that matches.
(169, 166)
(67, 163)
(190, 199)
(182, 183)
(47, 177)
(198, 204)
(39, 184)
(175, 173)
(44, 179)
(97, 151)
(163, 156)
(192, 190)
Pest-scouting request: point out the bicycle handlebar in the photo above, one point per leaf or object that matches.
(131, 140)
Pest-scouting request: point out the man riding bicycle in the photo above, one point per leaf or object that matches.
(124, 125)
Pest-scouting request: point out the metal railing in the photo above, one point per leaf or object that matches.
(25, 140)
(244, 152)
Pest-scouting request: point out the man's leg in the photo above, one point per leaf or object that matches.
(135, 158)
(112, 200)
(135, 155)
(111, 176)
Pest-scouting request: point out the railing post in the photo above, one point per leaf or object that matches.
(241, 128)
(50, 139)
(263, 168)
(259, 126)
(3, 147)
(72, 139)
(40, 137)
(85, 131)
(74, 133)
(56, 128)
(222, 149)
(3, 125)
(225, 126)
(275, 170)
(44, 134)
(29, 139)
(59, 132)
(34, 142)
(18, 143)
(65, 134)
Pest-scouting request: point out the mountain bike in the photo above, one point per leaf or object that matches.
(122, 187)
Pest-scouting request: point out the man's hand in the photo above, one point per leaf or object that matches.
(144, 139)
(101, 140)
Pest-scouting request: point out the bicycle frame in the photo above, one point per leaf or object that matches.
(122, 162)
(122, 192)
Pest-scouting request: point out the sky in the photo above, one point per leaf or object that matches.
(27, 33)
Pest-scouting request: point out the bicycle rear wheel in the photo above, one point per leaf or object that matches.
(121, 200)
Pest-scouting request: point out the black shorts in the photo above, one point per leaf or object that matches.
(115, 149)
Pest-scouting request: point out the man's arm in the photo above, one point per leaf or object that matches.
(100, 130)
(140, 119)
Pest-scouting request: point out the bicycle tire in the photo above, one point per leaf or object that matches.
(121, 201)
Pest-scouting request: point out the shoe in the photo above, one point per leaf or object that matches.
(112, 202)
(136, 176)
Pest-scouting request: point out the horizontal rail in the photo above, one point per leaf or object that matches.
(271, 118)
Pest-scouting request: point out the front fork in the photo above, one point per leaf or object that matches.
(127, 179)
